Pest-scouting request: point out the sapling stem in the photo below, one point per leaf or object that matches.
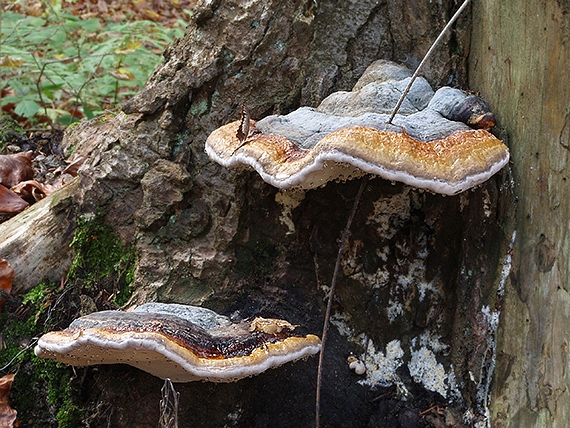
(341, 249)
(426, 56)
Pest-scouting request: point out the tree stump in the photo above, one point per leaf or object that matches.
(420, 289)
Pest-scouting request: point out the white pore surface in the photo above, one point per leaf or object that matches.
(161, 358)
(352, 167)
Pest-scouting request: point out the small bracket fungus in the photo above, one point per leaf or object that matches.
(183, 343)
(432, 145)
(355, 364)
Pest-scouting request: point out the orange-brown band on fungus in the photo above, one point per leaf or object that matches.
(447, 165)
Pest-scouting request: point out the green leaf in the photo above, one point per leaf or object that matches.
(27, 108)
(66, 119)
(91, 25)
(87, 111)
(54, 114)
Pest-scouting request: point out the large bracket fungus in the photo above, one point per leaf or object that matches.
(182, 343)
(432, 144)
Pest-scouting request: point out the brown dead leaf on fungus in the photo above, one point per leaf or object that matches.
(16, 168)
(7, 414)
(6, 277)
(10, 202)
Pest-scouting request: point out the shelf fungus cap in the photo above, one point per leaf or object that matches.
(440, 143)
(167, 344)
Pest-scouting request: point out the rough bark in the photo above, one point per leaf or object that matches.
(422, 269)
(520, 52)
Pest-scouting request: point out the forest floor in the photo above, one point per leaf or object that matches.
(61, 62)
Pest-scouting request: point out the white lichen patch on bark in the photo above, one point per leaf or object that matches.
(289, 200)
(390, 212)
(394, 310)
(381, 366)
(352, 266)
(425, 369)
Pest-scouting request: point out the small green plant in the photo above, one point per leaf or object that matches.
(9, 130)
(39, 384)
(57, 67)
(36, 294)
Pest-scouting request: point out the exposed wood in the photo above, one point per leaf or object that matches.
(36, 241)
(519, 62)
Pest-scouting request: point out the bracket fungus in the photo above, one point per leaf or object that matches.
(183, 343)
(439, 142)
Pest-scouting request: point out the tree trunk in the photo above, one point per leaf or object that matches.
(520, 51)
(421, 283)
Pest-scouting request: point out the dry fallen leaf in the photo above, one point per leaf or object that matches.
(7, 414)
(10, 202)
(151, 14)
(73, 168)
(8, 61)
(6, 277)
(35, 191)
(122, 74)
(129, 48)
(16, 168)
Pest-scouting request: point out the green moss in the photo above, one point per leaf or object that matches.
(179, 143)
(37, 294)
(15, 334)
(123, 294)
(61, 397)
(68, 416)
(43, 389)
(99, 253)
(199, 108)
(256, 259)
(71, 149)
(46, 392)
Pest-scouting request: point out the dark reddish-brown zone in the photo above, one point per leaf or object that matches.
(473, 111)
(182, 332)
(484, 121)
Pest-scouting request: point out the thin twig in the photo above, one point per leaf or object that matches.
(15, 357)
(431, 49)
(34, 340)
(73, 93)
(355, 206)
(342, 247)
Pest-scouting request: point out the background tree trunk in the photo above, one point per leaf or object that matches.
(423, 273)
(520, 54)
